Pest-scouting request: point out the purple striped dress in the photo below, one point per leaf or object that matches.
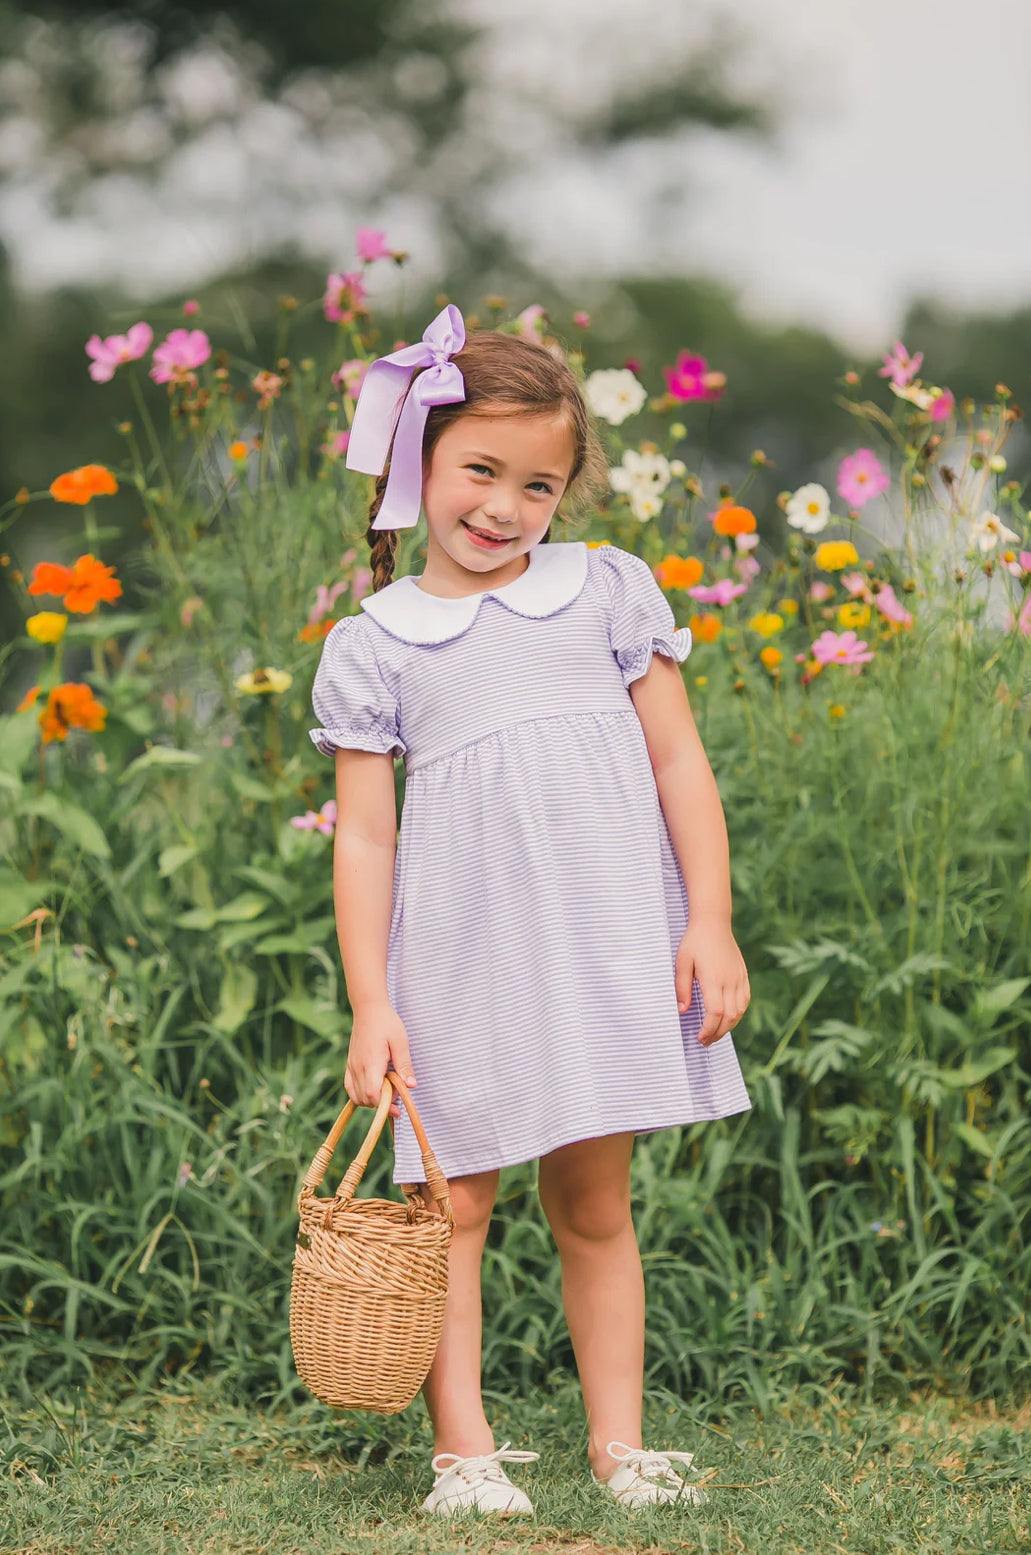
(538, 904)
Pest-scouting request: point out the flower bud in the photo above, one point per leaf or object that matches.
(997, 464)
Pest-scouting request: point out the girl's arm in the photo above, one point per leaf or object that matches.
(691, 803)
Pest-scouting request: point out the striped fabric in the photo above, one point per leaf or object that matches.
(538, 903)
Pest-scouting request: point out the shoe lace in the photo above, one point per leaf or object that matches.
(481, 1465)
(651, 1464)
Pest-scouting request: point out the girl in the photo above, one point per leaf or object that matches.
(523, 948)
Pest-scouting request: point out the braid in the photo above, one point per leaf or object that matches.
(382, 542)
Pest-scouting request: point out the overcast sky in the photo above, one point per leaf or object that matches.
(902, 167)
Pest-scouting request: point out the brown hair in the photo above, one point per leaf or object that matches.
(505, 374)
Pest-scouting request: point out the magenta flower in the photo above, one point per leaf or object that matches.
(691, 379)
(180, 353)
(582, 320)
(899, 366)
(190, 307)
(860, 477)
(889, 605)
(840, 648)
(350, 376)
(371, 244)
(344, 297)
(109, 353)
(337, 445)
(1022, 622)
(322, 820)
(720, 593)
(942, 408)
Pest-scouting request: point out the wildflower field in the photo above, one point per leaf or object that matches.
(173, 1021)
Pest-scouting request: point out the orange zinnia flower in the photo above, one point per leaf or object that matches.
(82, 485)
(679, 572)
(732, 520)
(82, 587)
(71, 706)
(706, 627)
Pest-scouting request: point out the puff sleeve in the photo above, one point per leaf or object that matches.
(350, 696)
(640, 618)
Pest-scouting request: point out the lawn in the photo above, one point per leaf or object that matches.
(187, 1470)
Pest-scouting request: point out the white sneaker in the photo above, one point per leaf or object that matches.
(479, 1482)
(646, 1477)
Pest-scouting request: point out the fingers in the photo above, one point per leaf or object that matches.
(724, 1007)
(401, 1060)
(364, 1085)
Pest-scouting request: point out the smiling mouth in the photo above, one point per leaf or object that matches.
(486, 533)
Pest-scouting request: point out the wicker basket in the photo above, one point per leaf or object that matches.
(369, 1277)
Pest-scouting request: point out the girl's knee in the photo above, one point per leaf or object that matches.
(595, 1213)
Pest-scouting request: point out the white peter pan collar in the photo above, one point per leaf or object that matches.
(554, 577)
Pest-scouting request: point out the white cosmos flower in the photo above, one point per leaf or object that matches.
(613, 393)
(809, 508)
(988, 530)
(648, 472)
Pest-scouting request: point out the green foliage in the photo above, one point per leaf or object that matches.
(173, 1024)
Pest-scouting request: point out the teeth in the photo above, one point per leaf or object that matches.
(484, 535)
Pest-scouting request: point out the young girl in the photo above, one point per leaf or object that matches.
(522, 952)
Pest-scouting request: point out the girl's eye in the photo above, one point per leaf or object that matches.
(488, 471)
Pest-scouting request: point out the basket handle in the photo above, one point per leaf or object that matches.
(435, 1179)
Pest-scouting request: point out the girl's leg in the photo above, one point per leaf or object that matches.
(452, 1388)
(585, 1191)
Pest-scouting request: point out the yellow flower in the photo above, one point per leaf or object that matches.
(47, 626)
(257, 682)
(832, 555)
(237, 450)
(701, 680)
(766, 622)
(836, 710)
(788, 607)
(771, 657)
(855, 612)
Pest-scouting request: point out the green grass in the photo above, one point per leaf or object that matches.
(192, 1472)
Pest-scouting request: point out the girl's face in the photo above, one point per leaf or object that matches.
(502, 474)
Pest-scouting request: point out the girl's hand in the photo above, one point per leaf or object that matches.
(709, 952)
(378, 1038)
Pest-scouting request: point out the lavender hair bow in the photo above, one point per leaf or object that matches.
(389, 399)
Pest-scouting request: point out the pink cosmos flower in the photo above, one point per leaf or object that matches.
(889, 605)
(899, 366)
(345, 296)
(527, 320)
(857, 584)
(190, 307)
(1023, 621)
(746, 542)
(720, 593)
(746, 567)
(337, 445)
(582, 320)
(1020, 564)
(350, 376)
(371, 244)
(942, 408)
(860, 477)
(323, 820)
(325, 599)
(821, 591)
(109, 353)
(183, 350)
(691, 379)
(840, 648)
